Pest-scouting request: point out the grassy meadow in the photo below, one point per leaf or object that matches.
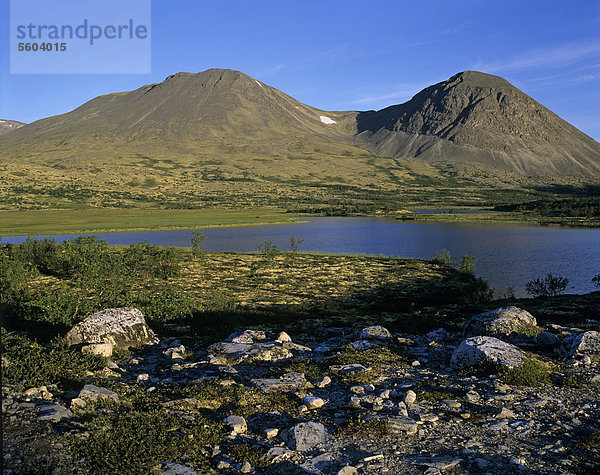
(96, 220)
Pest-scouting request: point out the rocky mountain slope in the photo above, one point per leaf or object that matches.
(9, 125)
(479, 118)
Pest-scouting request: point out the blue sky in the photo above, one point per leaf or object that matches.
(341, 55)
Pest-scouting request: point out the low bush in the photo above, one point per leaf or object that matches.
(32, 364)
(548, 286)
(130, 441)
(531, 372)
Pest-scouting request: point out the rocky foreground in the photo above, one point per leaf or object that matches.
(503, 395)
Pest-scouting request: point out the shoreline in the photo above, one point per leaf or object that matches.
(221, 219)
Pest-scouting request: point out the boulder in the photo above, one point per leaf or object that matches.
(175, 352)
(248, 336)
(286, 383)
(376, 332)
(547, 339)
(283, 337)
(500, 322)
(306, 435)
(236, 423)
(235, 353)
(582, 344)
(91, 392)
(478, 348)
(170, 468)
(313, 402)
(53, 412)
(121, 327)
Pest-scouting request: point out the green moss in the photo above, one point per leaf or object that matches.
(575, 381)
(531, 372)
(237, 399)
(529, 330)
(310, 369)
(435, 395)
(484, 367)
(358, 426)
(129, 441)
(378, 355)
(248, 453)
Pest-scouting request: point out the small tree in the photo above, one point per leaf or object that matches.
(548, 286)
(596, 280)
(268, 250)
(467, 265)
(443, 257)
(295, 243)
(198, 238)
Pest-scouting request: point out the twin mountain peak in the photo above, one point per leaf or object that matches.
(472, 118)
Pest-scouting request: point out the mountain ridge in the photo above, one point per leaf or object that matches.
(472, 118)
(480, 118)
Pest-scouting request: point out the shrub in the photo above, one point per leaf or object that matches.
(467, 265)
(443, 257)
(548, 286)
(295, 243)
(596, 280)
(198, 238)
(268, 250)
(246, 452)
(130, 441)
(32, 364)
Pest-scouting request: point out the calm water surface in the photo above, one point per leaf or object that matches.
(507, 255)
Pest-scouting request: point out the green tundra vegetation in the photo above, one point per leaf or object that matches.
(47, 286)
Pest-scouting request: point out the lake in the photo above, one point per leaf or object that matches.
(507, 254)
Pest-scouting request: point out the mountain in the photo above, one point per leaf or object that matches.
(9, 125)
(213, 106)
(479, 118)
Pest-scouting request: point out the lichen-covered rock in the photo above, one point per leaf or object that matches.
(475, 349)
(91, 392)
(248, 336)
(236, 423)
(250, 346)
(53, 412)
(121, 327)
(235, 353)
(348, 368)
(171, 468)
(375, 332)
(306, 435)
(582, 344)
(500, 322)
(286, 383)
(99, 349)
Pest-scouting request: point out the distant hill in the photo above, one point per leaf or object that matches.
(479, 118)
(9, 125)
